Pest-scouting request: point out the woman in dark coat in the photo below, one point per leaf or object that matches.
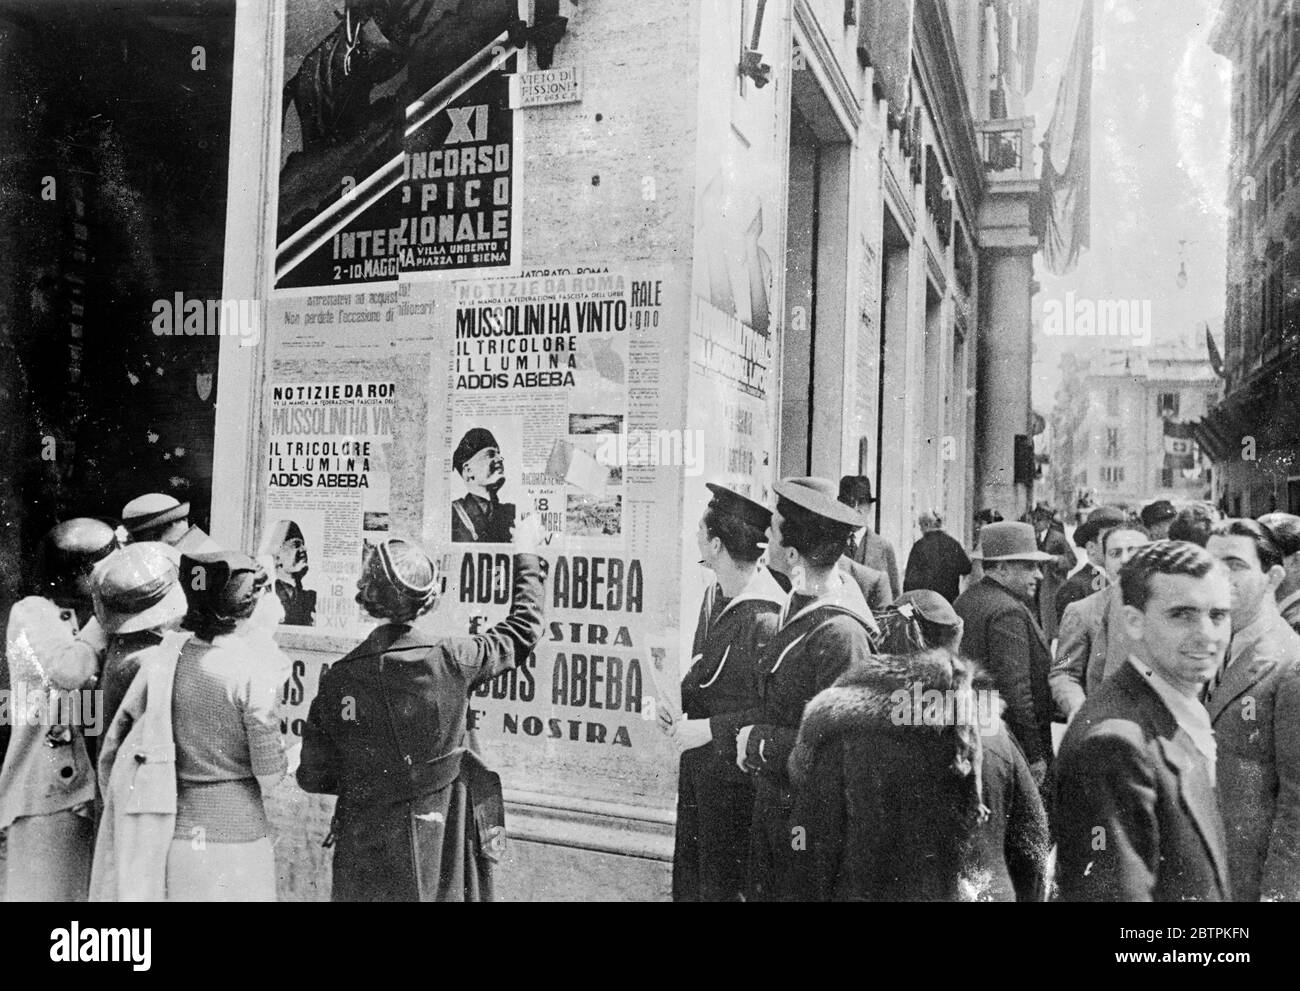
(715, 798)
(908, 785)
(419, 817)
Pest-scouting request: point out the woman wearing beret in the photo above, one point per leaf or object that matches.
(226, 726)
(904, 800)
(47, 785)
(715, 798)
(418, 818)
(823, 626)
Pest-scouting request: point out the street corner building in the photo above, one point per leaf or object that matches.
(729, 240)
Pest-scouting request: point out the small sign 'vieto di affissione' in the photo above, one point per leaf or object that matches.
(544, 87)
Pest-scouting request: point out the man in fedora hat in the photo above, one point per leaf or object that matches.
(1092, 576)
(822, 628)
(165, 519)
(479, 516)
(1003, 636)
(138, 598)
(870, 549)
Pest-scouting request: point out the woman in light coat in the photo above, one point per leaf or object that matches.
(47, 783)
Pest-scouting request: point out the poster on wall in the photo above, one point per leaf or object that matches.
(398, 151)
(560, 391)
(327, 495)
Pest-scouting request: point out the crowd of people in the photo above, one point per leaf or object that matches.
(158, 790)
(1127, 729)
(1008, 724)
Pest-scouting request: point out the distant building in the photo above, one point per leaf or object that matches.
(1254, 433)
(1123, 425)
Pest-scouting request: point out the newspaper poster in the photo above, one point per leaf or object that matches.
(557, 404)
(327, 496)
(398, 144)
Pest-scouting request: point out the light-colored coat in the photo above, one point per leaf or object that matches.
(45, 653)
(1255, 712)
(1092, 647)
(137, 774)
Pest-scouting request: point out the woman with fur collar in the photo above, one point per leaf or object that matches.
(715, 798)
(909, 787)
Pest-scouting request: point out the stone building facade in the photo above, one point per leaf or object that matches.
(794, 236)
(1252, 434)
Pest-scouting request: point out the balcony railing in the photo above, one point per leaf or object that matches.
(1007, 147)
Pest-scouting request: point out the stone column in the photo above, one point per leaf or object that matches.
(1002, 400)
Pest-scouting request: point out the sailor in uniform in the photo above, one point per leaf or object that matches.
(715, 798)
(824, 626)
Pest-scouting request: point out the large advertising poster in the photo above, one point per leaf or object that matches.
(398, 151)
(560, 384)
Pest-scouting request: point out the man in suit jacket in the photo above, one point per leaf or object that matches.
(870, 549)
(1003, 636)
(1092, 644)
(1254, 706)
(874, 584)
(1137, 818)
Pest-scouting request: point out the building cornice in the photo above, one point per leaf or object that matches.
(942, 81)
(821, 57)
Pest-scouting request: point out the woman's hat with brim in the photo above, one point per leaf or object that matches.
(818, 496)
(138, 588)
(154, 509)
(1009, 541)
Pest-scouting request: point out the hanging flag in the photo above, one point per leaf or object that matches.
(1067, 164)
(1216, 359)
(1180, 449)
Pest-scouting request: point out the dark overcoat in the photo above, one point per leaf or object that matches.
(715, 798)
(1003, 637)
(419, 818)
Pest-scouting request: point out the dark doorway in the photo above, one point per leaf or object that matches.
(115, 139)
